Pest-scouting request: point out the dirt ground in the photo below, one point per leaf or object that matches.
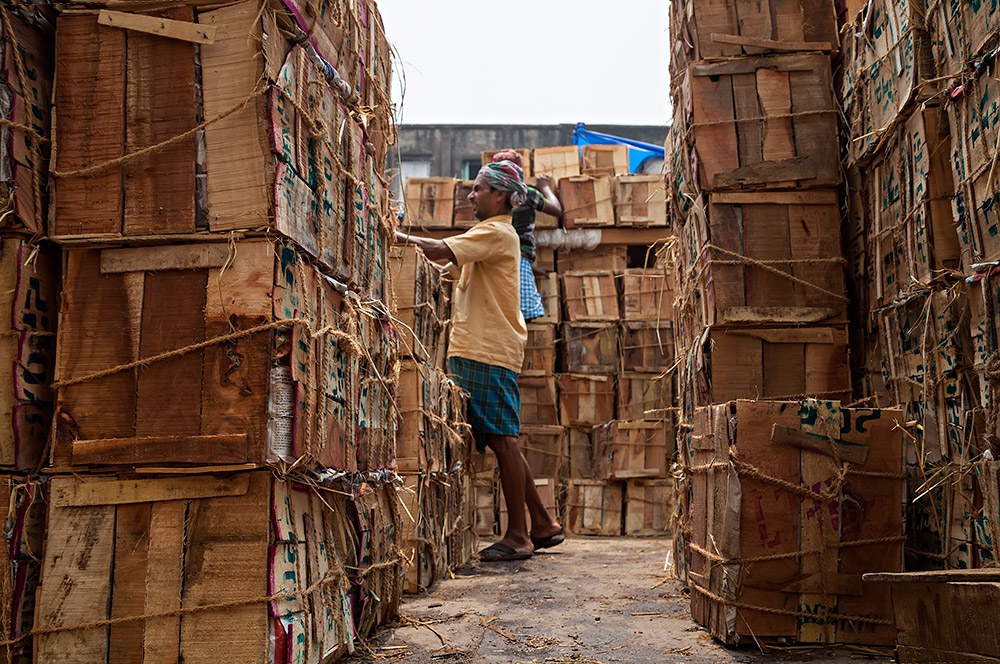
(588, 600)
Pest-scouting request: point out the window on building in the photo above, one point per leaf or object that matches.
(470, 168)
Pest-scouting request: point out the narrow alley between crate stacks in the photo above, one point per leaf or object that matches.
(589, 600)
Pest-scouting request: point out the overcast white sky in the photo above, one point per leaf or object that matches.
(530, 61)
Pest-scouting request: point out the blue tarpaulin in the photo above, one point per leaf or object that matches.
(638, 152)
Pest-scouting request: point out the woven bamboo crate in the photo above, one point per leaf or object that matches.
(591, 296)
(268, 392)
(604, 160)
(590, 347)
(558, 162)
(587, 201)
(539, 401)
(594, 507)
(648, 507)
(430, 202)
(640, 201)
(540, 350)
(544, 448)
(106, 528)
(586, 399)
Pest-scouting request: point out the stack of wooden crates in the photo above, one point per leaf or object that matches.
(753, 176)
(217, 476)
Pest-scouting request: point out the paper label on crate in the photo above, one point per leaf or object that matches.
(281, 416)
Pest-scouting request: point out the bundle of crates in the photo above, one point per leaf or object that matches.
(593, 182)
(433, 443)
(761, 315)
(221, 394)
(922, 246)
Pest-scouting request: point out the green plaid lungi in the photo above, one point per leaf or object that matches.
(494, 398)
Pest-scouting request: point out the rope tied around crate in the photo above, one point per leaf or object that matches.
(347, 341)
(794, 554)
(763, 118)
(768, 265)
(827, 615)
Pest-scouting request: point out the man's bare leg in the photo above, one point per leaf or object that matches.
(542, 523)
(514, 478)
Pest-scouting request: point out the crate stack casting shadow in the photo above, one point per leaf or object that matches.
(207, 222)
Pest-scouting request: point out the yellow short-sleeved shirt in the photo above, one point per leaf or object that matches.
(486, 321)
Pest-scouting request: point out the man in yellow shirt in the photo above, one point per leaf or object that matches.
(486, 348)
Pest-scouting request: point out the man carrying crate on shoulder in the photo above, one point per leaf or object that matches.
(486, 348)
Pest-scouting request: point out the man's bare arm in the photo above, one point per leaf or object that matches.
(543, 182)
(435, 250)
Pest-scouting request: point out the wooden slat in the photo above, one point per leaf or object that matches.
(804, 440)
(183, 29)
(132, 530)
(164, 576)
(802, 197)
(71, 492)
(190, 449)
(90, 102)
(176, 257)
(771, 44)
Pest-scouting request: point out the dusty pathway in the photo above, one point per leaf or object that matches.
(589, 600)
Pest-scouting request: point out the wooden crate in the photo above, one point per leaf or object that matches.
(587, 201)
(735, 513)
(647, 346)
(648, 507)
(640, 201)
(591, 296)
(545, 259)
(197, 540)
(586, 399)
(543, 219)
(739, 239)
(25, 158)
(648, 294)
(944, 616)
(581, 452)
(715, 29)
(546, 487)
(486, 508)
(548, 289)
(544, 447)
(539, 402)
(594, 507)
(428, 433)
(558, 162)
(644, 396)
(773, 363)
(420, 302)
(613, 258)
(430, 202)
(958, 32)
(788, 148)
(271, 395)
(626, 450)
(540, 350)
(604, 160)
(118, 92)
(525, 154)
(590, 347)
(418, 522)
(462, 216)
(30, 297)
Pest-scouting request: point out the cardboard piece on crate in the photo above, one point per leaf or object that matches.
(546, 487)
(958, 32)
(648, 507)
(640, 201)
(539, 403)
(733, 231)
(587, 201)
(604, 160)
(590, 347)
(648, 294)
(586, 399)
(558, 162)
(644, 396)
(463, 216)
(611, 258)
(252, 398)
(718, 29)
(548, 289)
(25, 513)
(525, 154)
(647, 346)
(736, 513)
(590, 296)
(430, 202)
(594, 507)
(420, 301)
(788, 147)
(540, 350)
(544, 448)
